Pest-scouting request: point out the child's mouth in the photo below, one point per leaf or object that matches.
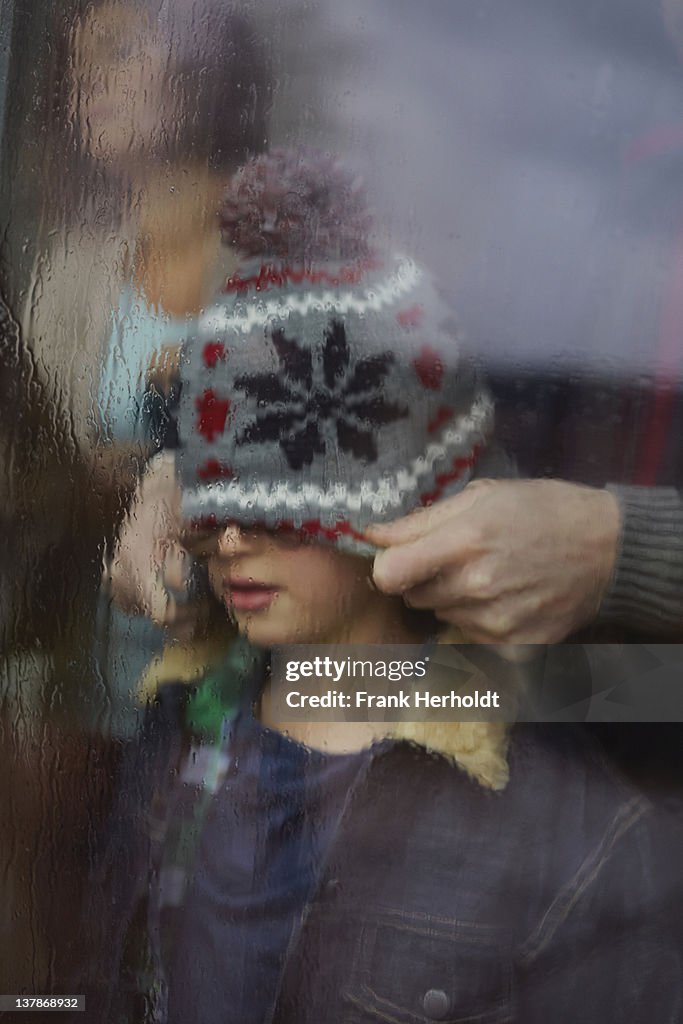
(249, 595)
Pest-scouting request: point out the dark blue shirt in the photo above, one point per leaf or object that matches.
(262, 846)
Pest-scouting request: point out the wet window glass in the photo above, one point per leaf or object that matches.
(341, 532)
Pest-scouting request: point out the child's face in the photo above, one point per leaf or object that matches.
(282, 590)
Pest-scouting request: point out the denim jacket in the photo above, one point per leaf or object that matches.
(557, 898)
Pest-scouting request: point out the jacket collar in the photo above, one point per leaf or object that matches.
(479, 748)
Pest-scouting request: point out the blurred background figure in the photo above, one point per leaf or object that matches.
(167, 100)
(141, 112)
(151, 107)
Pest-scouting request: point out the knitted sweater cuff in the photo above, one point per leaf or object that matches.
(646, 590)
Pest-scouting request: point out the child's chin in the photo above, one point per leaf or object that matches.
(259, 631)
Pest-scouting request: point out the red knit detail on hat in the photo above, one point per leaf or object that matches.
(460, 464)
(314, 528)
(342, 528)
(212, 352)
(213, 413)
(281, 276)
(214, 469)
(429, 367)
(411, 317)
(309, 528)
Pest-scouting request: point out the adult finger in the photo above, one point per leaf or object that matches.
(177, 565)
(424, 520)
(398, 568)
(157, 602)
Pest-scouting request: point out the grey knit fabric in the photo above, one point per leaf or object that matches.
(327, 400)
(646, 591)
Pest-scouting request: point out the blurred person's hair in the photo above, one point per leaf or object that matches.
(223, 76)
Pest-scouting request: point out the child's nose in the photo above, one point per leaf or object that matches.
(238, 540)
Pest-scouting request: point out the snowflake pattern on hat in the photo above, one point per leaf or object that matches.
(296, 406)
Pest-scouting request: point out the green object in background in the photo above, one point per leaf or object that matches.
(219, 694)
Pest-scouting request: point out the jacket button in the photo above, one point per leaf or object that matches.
(436, 1004)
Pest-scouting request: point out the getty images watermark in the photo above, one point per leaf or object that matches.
(374, 671)
(473, 682)
(368, 682)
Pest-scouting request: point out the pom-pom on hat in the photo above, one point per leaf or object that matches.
(297, 206)
(325, 389)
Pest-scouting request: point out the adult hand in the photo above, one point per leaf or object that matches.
(508, 561)
(149, 571)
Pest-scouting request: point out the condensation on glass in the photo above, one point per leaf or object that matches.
(529, 153)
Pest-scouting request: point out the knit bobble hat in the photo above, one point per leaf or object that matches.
(325, 389)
